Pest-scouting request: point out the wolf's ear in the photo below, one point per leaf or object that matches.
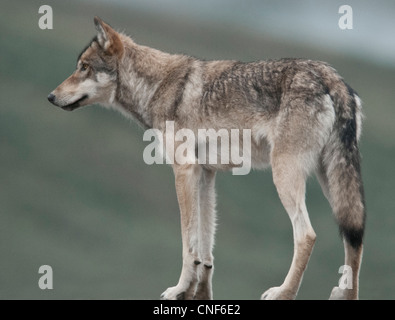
(108, 38)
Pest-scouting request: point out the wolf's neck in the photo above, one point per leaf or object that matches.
(140, 74)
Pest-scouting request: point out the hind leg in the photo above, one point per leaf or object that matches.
(290, 180)
(323, 180)
(349, 283)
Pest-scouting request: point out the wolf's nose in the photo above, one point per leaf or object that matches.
(51, 98)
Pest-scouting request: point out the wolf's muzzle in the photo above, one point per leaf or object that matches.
(69, 107)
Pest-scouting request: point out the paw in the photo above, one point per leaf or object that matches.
(278, 293)
(342, 294)
(175, 293)
(203, 292)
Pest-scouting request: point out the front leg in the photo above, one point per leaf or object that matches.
(207, 231)
(187, 188)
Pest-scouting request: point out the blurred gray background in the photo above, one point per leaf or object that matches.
(76, 194)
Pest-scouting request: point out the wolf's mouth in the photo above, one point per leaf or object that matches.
(75, 105)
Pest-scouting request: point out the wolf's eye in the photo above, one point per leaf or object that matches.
(84, 67)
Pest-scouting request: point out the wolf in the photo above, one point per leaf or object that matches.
(304, 119)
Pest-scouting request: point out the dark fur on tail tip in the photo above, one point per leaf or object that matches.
(353, 236)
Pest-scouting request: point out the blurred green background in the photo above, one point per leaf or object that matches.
(75, 193)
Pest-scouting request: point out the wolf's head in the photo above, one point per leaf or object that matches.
(95, 78)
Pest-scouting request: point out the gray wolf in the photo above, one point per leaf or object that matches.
(303, 117)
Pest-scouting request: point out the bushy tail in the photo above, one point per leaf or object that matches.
(342, 164)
